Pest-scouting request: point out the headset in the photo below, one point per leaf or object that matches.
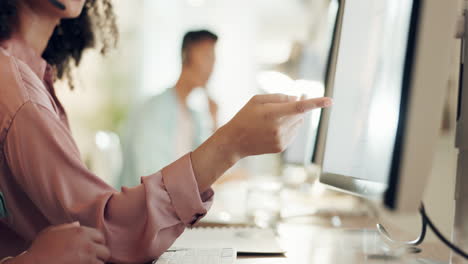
(58, 4)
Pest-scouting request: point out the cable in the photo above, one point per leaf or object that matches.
(440, 235)
(58, 4)
(384, 233)
(426, 221)
(413, 243)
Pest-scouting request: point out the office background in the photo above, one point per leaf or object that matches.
(255, 36)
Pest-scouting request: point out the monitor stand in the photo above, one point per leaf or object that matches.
(460, 229)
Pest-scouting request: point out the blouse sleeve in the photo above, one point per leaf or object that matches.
(139, 223)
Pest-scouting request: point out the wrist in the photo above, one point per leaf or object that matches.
(227, 145)
(214, 157)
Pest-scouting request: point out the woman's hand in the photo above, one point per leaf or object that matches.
(266, 124)
(68, 244)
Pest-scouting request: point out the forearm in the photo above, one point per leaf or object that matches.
(214, 157)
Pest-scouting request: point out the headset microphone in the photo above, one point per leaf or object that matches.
(58, 4)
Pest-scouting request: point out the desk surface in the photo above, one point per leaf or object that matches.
(314, 240)
(314, 244)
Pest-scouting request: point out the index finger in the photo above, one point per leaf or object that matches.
(274, 98)
(302, 106)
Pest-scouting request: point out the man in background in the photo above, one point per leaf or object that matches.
(168, 119)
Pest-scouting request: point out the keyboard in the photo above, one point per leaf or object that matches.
(197, 256)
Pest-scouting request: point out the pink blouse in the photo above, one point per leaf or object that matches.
(44, 182)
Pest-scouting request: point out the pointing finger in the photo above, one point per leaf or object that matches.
(303, 106)
(274, 98)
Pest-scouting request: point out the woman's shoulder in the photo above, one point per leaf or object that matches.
(11, 85)
(16, 91)
(18, 86)
(11, 91)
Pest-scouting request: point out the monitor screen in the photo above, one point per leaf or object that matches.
(303, 148)
(367, 91)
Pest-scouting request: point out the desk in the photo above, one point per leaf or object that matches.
(317, 244)
(314, 240)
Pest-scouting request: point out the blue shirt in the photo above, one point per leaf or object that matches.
(150, 136)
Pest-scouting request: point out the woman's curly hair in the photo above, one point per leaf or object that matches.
(94, 28)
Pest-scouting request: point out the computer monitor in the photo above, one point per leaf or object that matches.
(303, 150)
(388, 89)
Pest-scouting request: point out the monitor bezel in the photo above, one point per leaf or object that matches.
(315, 158)
(318, 151)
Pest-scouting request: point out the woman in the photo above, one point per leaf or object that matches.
(42, 178)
